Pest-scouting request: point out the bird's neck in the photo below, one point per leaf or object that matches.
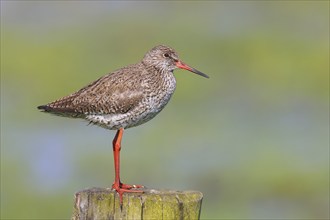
(163, 78)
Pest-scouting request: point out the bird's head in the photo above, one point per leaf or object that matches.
(165, 58)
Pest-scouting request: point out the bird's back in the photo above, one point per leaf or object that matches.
(127, 97)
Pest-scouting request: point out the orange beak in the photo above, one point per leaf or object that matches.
(184, 66)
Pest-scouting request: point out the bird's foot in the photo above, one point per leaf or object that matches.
(125, 188)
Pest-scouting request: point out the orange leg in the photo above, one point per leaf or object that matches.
(118, 185)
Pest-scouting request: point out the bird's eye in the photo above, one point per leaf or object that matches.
(166, 55)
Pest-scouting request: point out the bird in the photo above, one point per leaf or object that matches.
(125, 98)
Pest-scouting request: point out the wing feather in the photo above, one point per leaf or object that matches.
(110, 94)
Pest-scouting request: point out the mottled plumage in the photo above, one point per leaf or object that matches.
(125, 98)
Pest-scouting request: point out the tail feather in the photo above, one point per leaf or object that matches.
(66, 112)
(45, 108)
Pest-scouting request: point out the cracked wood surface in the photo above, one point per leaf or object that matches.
(100, 203)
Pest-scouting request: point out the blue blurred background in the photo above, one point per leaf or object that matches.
(254, 138)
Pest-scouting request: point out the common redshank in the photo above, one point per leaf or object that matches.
(128, 97)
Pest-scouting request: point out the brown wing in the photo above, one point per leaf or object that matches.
(111, 94)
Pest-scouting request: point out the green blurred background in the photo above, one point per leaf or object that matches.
(254, 138)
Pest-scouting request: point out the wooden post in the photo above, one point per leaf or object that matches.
(99, 203)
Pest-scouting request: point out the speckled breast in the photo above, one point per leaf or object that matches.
(153, 102)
